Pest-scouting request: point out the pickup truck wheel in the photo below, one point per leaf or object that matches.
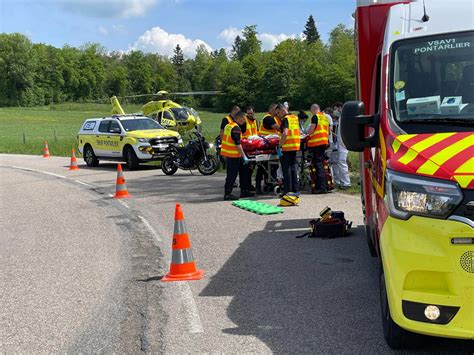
(395, 336)
(131, 159)
(89, 157)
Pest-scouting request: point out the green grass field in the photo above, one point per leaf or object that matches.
(24, 130)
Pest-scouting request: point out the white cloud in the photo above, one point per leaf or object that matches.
(109, 8)
(159, 41)
(229, 34)
(102, 30)
(269, 40)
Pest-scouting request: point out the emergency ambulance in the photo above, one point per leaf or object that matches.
(414, 128)
(134, 139)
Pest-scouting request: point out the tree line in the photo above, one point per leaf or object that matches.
(298, 70)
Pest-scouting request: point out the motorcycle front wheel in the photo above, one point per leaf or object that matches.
(168, 165)
(208, 165)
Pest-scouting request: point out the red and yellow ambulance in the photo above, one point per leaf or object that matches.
(414, 127)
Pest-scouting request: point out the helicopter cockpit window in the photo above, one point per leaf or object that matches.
(167, 115)
(181, 114)
(140, 124)
(193, 112)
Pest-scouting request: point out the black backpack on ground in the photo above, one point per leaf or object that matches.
(333, 227)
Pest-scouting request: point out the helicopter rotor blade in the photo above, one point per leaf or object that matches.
(191, 93)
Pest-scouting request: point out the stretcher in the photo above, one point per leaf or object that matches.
(266, 158)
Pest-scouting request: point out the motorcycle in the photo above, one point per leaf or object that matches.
(194, 155)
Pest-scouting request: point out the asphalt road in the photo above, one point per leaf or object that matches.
(81, 271)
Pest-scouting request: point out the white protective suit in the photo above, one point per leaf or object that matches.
(339, 161)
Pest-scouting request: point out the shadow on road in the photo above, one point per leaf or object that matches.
(306, 295)
(182, 186)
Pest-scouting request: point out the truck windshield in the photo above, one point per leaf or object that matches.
(433, 79)
(139, 124)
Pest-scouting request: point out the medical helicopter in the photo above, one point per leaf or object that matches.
(168, 113)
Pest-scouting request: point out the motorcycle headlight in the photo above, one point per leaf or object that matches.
(143, 140)
(180, 140)
(409, 195)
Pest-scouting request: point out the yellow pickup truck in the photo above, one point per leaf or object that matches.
(134, 139)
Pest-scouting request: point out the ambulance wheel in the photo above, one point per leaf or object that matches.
(395, 336)
(370, 241)
(89, 157)
(131, 158)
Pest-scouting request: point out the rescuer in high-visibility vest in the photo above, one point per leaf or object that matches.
(318, 142)
(270, 123)
(251, 129)
(236, 159)
(251, 124)
(228, 119)
(288, 147)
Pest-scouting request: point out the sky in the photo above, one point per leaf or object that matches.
(158, 25)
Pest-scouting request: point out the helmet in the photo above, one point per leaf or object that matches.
(289, 200)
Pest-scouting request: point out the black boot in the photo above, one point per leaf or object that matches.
(246, 193)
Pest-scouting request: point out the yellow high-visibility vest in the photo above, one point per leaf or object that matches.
(320, 135)
(292, 141)
(265, 132)
(228, 147)
(251, 128)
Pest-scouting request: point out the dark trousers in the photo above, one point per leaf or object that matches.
(290, 176)
(317, 161)
(235, 166)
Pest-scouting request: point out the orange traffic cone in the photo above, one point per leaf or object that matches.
(183, 267)
(73, 165)
(121, 188)
(46, 150)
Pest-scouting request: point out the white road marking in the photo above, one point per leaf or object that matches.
(151, 229)
(190, 308)
(52, 174)
(84, 183)
(123, 203)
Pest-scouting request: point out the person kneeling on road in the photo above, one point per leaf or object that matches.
(236, 159)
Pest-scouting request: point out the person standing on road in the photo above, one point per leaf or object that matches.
(271, 123)
(251, 129)
(229, 119)
(289, 146)
(236, 158)
(225, 121)
(339, 156)
(251, 124)
(318, 142)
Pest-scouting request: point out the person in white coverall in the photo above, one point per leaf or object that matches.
(339, 154)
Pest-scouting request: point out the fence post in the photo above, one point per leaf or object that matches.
(24, 138)
(55, 136)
